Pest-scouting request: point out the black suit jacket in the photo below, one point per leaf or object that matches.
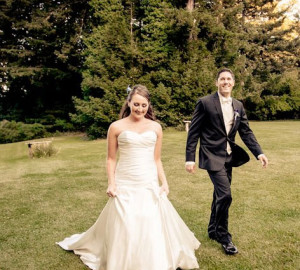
(208, 126)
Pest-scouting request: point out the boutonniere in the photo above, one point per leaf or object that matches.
(236, 114)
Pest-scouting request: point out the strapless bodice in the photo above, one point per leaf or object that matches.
(136, 164)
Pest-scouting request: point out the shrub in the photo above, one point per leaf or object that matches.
(18, 131)
(41, 149)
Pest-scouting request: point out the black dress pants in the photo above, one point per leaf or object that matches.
(218, 224)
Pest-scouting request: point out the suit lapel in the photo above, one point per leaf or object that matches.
(235, 110)
(219, 109)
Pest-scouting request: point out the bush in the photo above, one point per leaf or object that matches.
(94, 116)
(18, 131)
(43, 150)
(52, 123)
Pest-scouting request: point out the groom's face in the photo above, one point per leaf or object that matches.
(225, 83)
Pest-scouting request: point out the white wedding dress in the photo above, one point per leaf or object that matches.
(139, 229)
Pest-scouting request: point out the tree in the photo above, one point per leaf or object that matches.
(41, 45)
(271, 58)
(251, 38)
(109, 68)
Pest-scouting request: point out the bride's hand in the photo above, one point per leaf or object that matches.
(164, 188)
(111, 190)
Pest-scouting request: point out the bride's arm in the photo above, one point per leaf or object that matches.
(111, 161)
(157, 157)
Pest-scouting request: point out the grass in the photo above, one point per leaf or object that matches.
(44, 200)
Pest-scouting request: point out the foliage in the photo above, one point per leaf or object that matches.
(95, 115)
(43, 150)
(41, 44)
(92, 50)
(176, 52)
(271, 65)
(18, 131)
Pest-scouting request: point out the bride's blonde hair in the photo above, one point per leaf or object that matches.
(142, 91)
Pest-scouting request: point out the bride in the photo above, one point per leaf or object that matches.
(138, 229)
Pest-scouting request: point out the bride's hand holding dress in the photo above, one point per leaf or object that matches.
(111, 190)
(164, 188)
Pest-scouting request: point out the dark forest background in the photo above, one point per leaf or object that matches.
(66, 65)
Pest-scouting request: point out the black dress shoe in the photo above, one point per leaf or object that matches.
(230, 248)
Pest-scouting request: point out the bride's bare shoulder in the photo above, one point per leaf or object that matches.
(156, 127)
(117, 126)
(156, 124)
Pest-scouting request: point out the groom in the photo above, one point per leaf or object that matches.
(216, 120)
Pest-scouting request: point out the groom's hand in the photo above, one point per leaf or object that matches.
(264, 160)
(190, 168)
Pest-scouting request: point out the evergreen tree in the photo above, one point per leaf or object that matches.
(109, 68)
(41, 44)
(271, 58)
(250, 37)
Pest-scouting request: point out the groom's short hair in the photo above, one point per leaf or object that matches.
(225, 70)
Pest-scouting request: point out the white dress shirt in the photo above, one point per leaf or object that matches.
(228, 116)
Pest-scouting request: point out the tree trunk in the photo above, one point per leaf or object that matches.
(190, 5)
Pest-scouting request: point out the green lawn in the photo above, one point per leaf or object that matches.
(44, 200)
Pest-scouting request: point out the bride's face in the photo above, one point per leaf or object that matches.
(138, 106)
